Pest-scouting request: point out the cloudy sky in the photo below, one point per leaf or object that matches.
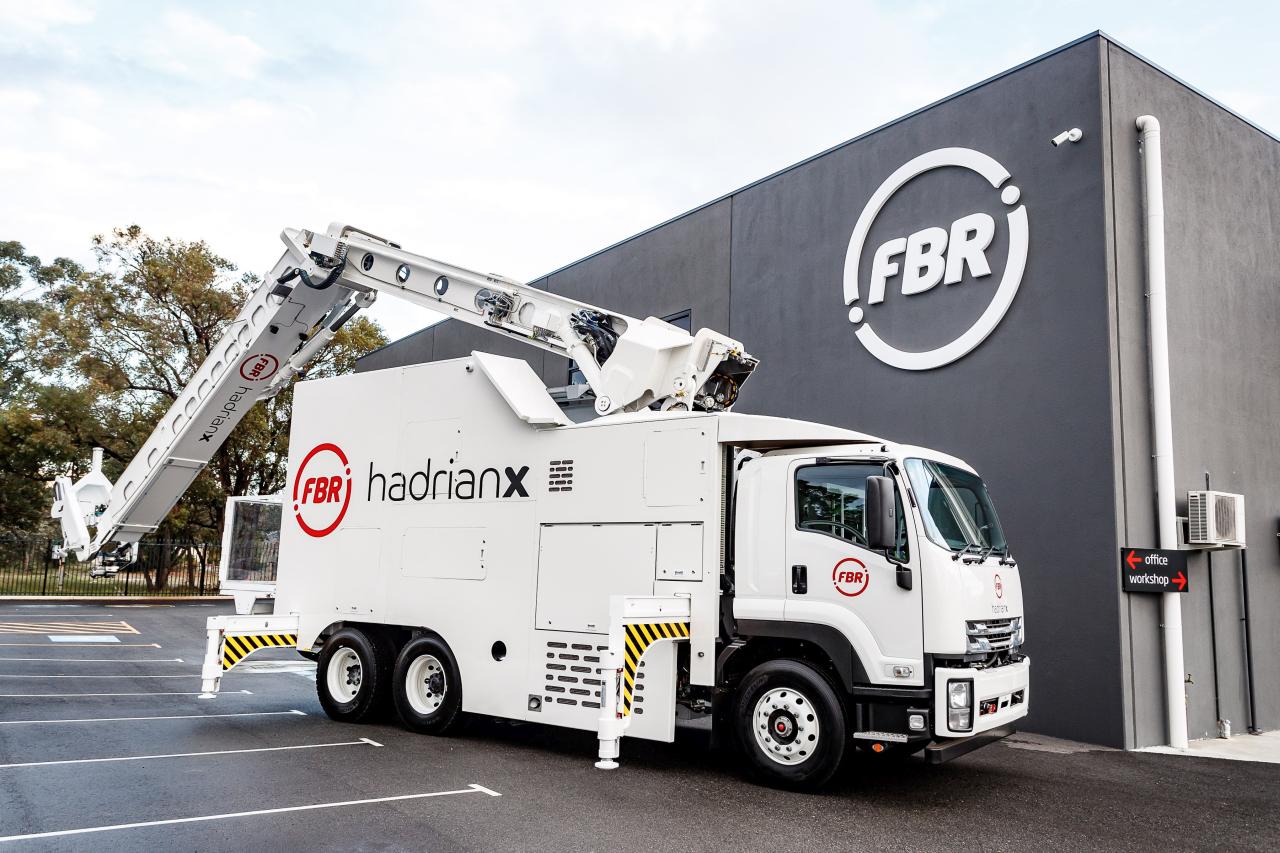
(512, 137)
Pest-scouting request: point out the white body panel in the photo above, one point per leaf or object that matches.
(440, 496)
(434, 533)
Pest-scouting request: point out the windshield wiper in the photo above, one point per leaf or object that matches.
(969, 548)
(1006, 559)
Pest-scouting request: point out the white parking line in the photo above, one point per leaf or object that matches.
(155, 693)
(96, 660)
(185, 675)
(83, 638)
(85, 645)
(470, 789)
(191, 675)
(96, 614)
(364, 741)
(293, 712)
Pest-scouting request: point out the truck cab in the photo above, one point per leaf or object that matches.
(883, 568)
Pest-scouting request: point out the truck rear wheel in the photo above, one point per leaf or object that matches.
(426, 687)
(351, 676)
(790, 725)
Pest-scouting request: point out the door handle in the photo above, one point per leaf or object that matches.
(799, 580)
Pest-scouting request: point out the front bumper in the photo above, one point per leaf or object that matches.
(949, 748)
(1000, 696)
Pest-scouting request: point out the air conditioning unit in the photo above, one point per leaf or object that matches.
(1215, 518)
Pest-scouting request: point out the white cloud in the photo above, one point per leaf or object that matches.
(14, 100)
(190, 45)
(37, 17)
(509, 136)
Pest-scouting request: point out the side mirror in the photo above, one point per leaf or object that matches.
(882, 511)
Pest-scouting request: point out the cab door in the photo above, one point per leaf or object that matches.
(834, 579)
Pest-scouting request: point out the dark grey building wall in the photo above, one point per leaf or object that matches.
(1053, 408)
(681, 265)
(1029, 408)
(417, 348)
(1222, 215)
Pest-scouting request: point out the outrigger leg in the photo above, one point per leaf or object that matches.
(635, 623)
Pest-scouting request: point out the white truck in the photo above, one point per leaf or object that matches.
(451, 543)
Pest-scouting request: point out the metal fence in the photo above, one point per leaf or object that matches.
(28, 567)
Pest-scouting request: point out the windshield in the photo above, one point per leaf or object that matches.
(956, 507)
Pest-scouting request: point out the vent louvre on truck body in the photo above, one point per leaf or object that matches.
(1215, 518)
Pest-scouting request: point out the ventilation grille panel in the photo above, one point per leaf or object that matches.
(572, 674)
(560, 475)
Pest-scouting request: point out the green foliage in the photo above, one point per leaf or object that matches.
(95, 357)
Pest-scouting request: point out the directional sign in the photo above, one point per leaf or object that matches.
(1148, 570)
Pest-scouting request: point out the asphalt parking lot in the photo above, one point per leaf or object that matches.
(107, 746)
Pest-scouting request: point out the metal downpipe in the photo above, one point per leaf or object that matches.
(1162, 423)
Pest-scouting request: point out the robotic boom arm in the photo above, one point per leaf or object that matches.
(323, 280)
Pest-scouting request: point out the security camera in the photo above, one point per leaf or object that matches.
(1075, 134)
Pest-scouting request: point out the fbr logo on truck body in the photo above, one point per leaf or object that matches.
(322, 489)
(850, 577)
(940, 253)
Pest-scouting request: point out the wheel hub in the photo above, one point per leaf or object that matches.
(435, 684)
(785, 726)
(344, 675)
(426, 684)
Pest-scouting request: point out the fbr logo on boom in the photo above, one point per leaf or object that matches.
(322, 489)
(259, 366)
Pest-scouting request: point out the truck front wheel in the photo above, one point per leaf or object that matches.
(790, 725)
(351, 676)
(426, 686)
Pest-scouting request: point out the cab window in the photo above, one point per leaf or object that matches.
(831, 500)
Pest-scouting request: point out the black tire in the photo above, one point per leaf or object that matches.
(426, 687)
(783, 700)
(351, 676)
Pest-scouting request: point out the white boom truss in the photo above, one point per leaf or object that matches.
(321, 281)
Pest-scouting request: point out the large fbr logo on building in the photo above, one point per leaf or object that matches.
(322, 489)
(934, 256)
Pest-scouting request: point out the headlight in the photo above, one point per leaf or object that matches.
(1017, 632)
(960, 705)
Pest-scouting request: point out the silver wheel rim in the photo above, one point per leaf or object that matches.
(344, 675)
(426, 684)
(785, 724)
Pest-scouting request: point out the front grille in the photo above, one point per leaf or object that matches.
(991, 635)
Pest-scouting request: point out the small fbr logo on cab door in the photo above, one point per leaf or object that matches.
(322, 489)
(850, 577)
(259, 366)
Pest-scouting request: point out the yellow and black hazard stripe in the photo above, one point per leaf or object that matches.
(640, 637)
(236, 647)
